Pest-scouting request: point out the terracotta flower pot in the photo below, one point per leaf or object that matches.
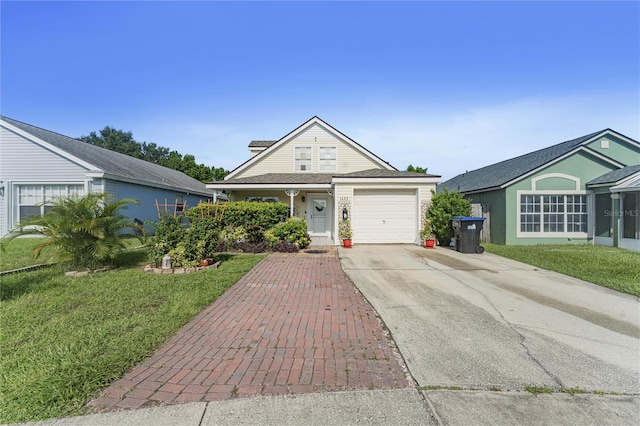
(429, 243)
(346, 243)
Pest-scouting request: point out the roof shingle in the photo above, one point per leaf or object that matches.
(498, 174)
(115, 163)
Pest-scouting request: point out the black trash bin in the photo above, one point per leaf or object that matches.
(466, 231)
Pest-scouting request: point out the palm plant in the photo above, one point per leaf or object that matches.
(86, 231)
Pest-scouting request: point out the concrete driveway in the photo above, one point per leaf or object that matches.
(491, 325)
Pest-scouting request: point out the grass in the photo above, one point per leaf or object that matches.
(18, 254)
(610, 267)
(63, 339)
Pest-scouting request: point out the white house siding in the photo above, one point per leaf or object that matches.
(282, 159)
(21, 159)
(23, 162)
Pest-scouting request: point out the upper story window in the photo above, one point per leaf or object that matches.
(327, 159)
(303, 158)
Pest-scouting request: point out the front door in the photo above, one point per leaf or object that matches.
(318, 212)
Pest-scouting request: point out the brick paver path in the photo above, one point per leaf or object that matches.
(293, 324)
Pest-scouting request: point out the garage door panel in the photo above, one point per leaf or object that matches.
(384, 216)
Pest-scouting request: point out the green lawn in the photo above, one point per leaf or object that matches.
(18, 254)
(63, 339)
(606, 266)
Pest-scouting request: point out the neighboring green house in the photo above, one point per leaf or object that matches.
(566, 193)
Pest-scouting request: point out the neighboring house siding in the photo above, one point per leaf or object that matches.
(147, 197)
(282, 158)
(111, 188)
(617, 149)
(566, 177)
(495, 200)
(24, 160)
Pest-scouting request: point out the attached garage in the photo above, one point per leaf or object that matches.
(385, 216)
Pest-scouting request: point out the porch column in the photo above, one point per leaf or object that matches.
(617, 213)
(291, 193)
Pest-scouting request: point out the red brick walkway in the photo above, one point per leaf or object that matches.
(293, 324)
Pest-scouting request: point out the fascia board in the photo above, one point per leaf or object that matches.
(628, 178)
(102, 175)
(478, 191)
(269, 186)
(390, 181)
(48, 146)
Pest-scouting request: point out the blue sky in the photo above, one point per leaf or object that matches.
(450, 86)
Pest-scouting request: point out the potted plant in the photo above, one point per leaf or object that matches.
(426, 234)
(344, 232)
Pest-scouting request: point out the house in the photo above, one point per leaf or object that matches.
(325, 177)
(37, 165)
(582, 190)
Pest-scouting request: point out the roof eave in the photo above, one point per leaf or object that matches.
(254, 186)
(387, 179)
(102, 175)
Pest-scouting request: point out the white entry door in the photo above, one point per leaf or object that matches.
(318, 215)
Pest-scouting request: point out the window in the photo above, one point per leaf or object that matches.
(262, 199)
(530, 213)
(303, 159)
(553, 214)
(327, 159)
(35, 200)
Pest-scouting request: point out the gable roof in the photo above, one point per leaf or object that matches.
(113, 165)
(313, 120)
(615, 176)
(505, 172)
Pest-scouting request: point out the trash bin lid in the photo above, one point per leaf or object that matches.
(466, 218)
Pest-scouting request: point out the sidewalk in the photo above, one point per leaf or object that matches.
(294, 324)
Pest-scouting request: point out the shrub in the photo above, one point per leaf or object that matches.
(87, 231)
(169, 231)
(241, 213)
(230, 236)
(293, 231)
(443, 206)
(344, 230)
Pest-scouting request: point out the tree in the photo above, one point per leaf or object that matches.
(418, 169)
(123, 142)
(443, 206)
(85, 231)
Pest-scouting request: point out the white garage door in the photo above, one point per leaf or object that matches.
(384, 216)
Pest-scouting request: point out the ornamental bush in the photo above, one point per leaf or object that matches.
(85, 231)
(241, 213)
(293, 231)
(169, 231)
(443, 206)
